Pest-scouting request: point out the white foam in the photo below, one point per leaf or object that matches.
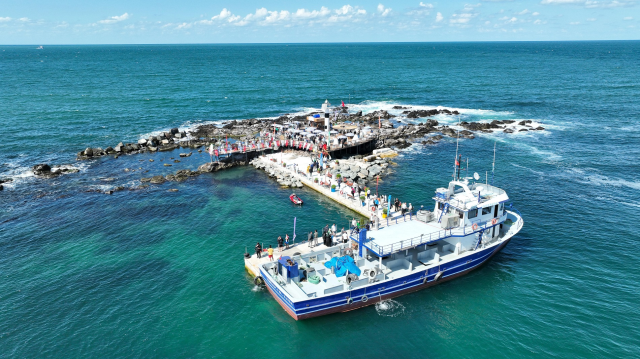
(390, 308)
(600, 180)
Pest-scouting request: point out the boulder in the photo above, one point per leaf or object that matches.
(185, 154)
(508, 130)
(539, 128)
(142, 142)
(157, 179)
(109, 150)
(1, 187)
(174, 131)
(41, 169)
(523, 130)
(173, 190)
(119, 148)
(207, 167)
(153, 149)
(145, 179)
(88, 152)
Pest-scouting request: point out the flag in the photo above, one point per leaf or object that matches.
(457, 163)
(342, 103)
(294, 229)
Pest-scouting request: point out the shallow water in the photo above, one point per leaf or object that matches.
(152, 273)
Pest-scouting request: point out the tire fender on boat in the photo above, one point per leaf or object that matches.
(259, 281)
(349, 300)
(364, 299)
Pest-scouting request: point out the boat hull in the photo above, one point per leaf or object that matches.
(384, 290)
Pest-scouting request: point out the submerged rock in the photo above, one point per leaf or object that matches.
(157, 179)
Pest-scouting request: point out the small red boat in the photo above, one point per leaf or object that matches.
(295, 199)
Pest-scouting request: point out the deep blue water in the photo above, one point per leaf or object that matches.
(150, 273)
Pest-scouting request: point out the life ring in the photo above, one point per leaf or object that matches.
(373, 208)
(475, 226)
(349, 300)
(364, 299)
(494, 221)
(259, 281)
(341, 192)
(438, 276)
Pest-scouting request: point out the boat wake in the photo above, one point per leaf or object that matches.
(390, 308)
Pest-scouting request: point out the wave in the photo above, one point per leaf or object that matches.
(600, 180)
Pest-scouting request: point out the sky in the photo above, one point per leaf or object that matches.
(43, 22)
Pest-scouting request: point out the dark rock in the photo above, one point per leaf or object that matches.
(153, 149)
(173, 190)
(522, 123)
(508, 130)
(174, 131)
(40, 169)
(119, 148)
(539, 128)
(185, 154)
(436, 138)
(523, 130)
(400, 108)
(6, 180)
(109, 150)
(167, 165)
(170, 147)
(145, 179)
(157, 179)
(88, 152)
(176, 161)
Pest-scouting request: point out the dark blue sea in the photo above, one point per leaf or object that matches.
(152, 273)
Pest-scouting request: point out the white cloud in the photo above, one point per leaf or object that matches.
(574, 23)
(537, 22)
(265, 17)
(590, 3)
(628, 18)
(439, 17)
(592, 19)
(428, 6)
(5, 19)
(114, 19)
(461, 19)
(24, 19)
(383, 11)
(535, 14)
(524, 12)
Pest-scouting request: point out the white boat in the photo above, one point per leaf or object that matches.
(468, 225)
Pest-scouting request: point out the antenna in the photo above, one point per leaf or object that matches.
(455, 162)
(493, 168)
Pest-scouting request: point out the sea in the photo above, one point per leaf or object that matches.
(149, 273)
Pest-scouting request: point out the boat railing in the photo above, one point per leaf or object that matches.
(428, 238)
(410, 243)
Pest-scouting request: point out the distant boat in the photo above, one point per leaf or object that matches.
(295, 199)
(39, 47)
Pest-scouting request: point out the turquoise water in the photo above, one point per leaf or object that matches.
(151, 273)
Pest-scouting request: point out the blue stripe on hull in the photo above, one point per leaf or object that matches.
(381, 288)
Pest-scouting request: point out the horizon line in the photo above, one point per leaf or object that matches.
(314, 43)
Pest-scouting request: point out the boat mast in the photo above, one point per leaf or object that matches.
(493, 168)
(455, 159)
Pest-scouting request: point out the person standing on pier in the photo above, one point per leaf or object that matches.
(270, 252)
(315, 238)
(310, 239)
(404, 208)
(258, 250)
(345, 236)
(334, 229)
(280, 244)
(410, 208)
(286, 240)
(354, 224)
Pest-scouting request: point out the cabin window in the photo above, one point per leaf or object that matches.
(473, 213)
(486, 210)
(440, 205)
(461, 214)
(501, 209)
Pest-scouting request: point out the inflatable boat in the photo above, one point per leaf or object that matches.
(295, 199)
